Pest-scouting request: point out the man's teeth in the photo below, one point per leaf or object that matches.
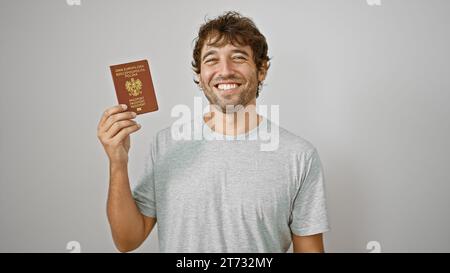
(227, 86)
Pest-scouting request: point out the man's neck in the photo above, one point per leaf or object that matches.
(234, 123)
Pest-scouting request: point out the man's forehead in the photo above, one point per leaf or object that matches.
(228, 46)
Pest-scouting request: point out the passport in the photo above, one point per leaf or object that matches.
(134, 86)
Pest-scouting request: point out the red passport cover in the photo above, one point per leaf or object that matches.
(134, 86)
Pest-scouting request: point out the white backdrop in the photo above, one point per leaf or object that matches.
(368, 85)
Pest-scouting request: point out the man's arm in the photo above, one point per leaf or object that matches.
(129, 226)
(304, 244)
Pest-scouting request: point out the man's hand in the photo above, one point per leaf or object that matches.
(114, 131)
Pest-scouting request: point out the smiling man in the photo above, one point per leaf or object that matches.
(221, 193)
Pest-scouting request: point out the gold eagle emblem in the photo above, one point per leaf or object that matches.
(134, 87)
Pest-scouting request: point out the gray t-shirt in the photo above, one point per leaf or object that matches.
(229, 195)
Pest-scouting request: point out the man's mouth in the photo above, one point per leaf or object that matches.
(227, 86)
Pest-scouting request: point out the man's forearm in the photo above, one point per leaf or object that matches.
(125, 219)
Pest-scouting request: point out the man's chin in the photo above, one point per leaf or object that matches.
(227, 104)
(229, 107)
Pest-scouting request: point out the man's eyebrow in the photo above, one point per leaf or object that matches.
(240, 51)
(210, 52)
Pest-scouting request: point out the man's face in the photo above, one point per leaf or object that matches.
(228, 75)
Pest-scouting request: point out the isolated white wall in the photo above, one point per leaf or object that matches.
(367, 85)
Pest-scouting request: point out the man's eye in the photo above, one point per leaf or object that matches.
(239, 58)
(210, 60)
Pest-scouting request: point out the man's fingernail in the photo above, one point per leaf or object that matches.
(124, 106)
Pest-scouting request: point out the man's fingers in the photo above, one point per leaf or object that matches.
(111, 111)
(117, 126)
(117, 117)
(122, 134)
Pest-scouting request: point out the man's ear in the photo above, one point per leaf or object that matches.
(198, 79)
(262, 73)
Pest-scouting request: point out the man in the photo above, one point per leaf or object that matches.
(219, 195)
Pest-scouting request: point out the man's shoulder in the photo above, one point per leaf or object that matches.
(172, 133)
(293, 142)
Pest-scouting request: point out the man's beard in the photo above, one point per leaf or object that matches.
(234, 102)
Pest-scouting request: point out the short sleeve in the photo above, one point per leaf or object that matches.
(309, 212)
(144, 192)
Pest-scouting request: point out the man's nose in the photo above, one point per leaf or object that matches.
(226, 68)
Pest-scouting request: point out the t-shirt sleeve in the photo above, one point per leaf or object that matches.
(309, 213)
(144, 192)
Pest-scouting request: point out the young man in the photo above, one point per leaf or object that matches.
(221, 193)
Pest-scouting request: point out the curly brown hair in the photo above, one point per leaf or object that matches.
(232, 27)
